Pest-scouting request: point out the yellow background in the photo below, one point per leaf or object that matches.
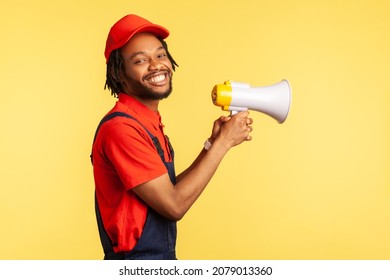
(315, 187)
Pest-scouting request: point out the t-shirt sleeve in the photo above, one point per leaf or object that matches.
(130, 150)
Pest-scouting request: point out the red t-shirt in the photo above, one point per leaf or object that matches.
(124, 157)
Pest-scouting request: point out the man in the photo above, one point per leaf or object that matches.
(138, 196)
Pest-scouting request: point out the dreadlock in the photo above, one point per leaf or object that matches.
(115, 65)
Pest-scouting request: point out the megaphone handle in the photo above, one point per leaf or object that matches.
(234, 110)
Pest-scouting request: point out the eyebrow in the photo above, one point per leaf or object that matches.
(143, 53)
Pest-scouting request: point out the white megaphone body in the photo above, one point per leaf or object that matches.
(273, 100)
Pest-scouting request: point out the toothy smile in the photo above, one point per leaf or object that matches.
(157, 79)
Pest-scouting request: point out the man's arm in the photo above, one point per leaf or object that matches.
(173, 201)
(216, 128)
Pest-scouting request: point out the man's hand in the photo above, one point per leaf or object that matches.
(233, 130)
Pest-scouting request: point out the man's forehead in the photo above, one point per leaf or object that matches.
(142, 42)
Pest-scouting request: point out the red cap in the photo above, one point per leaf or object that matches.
(125, 28)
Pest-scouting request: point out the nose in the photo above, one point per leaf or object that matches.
(155, 64)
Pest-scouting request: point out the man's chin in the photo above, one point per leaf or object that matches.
(152, 92)
(157, 95)
(162, 96)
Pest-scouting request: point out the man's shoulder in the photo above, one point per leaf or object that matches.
(118, 123)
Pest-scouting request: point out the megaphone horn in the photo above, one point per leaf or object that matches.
(273, 100)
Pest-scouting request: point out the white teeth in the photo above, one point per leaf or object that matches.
(156, 79)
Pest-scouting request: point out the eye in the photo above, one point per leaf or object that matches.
(162, 55)
(139, 60)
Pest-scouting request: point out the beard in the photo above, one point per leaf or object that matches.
(148, 93)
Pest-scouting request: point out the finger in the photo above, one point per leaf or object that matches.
(219, 121)
(224, 119)
(243, 113)
(250, 129)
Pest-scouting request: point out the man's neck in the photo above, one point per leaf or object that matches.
(149, 103)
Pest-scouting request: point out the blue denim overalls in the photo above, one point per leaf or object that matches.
(158, 238)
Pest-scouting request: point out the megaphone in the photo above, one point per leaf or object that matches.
(273, 100)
